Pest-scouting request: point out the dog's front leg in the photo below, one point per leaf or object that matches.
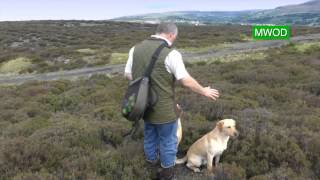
(217, 159)
(210, 160)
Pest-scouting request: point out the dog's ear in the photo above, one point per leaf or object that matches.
(220, 125)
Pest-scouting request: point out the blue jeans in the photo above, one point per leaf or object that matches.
(161, 139)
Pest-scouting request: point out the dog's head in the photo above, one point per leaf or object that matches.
(228, 127)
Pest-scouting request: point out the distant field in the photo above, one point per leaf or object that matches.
(62, 45)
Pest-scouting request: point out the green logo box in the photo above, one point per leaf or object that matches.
(271, 32)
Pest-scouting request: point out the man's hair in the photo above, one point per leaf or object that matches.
(167, 28)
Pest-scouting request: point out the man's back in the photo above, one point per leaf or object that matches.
(162, 82)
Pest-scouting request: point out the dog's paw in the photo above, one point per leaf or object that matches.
(209, 173)
(196, 170)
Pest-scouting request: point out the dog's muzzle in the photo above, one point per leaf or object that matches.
(236, 134)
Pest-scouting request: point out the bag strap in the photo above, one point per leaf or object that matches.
(154, 58)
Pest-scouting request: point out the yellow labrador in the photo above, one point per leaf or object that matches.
(210, 146)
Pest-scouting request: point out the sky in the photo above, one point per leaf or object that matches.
(15, 10)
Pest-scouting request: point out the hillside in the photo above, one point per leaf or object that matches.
(73, 130)
(61, 129)
(308, 7)
(189, 17)
(303, 14)
(49, 46)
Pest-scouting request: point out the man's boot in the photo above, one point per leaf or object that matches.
(153, 168)
(166, 173)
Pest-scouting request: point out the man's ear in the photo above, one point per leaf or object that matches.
(220, 125)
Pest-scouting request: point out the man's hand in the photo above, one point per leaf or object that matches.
(192, 84)
(128, 76)
(210, 93)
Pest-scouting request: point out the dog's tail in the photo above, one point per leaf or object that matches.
(182, 160)
(180, 111)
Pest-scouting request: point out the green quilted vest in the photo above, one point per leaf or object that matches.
(161, 81)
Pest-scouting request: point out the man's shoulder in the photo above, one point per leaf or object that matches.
(174, 53)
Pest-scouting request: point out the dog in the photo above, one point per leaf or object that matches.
(210, 146)
(179, 126)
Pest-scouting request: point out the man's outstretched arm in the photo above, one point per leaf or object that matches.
(192, 84)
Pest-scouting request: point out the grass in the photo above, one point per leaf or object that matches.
(231, 58)
(303, 47)
(241, 56)
(45, 41)
(15, 65)
(73, 130)
(119, 58)
(86, 51)
(214, 47)
(26, 127)
(245, 37)
(255, 55)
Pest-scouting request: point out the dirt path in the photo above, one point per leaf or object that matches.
(71, 74)
(248, 47)
(116, 69)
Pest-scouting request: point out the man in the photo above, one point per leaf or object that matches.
(160, 127)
